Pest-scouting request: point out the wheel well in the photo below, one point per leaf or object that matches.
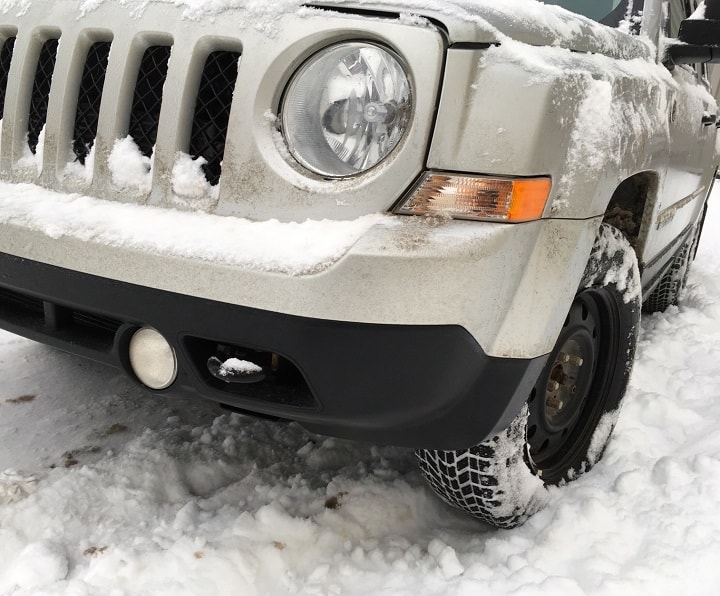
(626, 208)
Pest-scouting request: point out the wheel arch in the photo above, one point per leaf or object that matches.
(630, 208)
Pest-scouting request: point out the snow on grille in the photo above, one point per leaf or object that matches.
(137, 116)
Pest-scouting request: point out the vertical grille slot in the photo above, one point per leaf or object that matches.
(5, 59)
(212, 111)
(89, 97)
(145, 113)
(41, 92)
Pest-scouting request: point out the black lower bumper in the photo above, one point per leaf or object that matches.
(417, 386)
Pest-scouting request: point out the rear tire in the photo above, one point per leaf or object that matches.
(566, 424)
(667, 292)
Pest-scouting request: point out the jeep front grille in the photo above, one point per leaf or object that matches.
(5, 59)
(184, 82)
(145, 112)
(89, 96)
(41, 92)
(133, 103)
(212, 111)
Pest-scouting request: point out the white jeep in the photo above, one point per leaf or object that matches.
(430, 223)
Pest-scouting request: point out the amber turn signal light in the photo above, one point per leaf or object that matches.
(478, 197)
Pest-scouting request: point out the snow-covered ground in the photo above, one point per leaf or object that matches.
(108, 491)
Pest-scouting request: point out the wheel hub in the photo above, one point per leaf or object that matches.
(563, 397)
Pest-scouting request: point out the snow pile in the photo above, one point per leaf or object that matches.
(37, 565)
(624, 272)
(292, 248)
(134, 494)
(188, 178)
(129, 167)
(32, 160)
(233, 366)
(15, 486)
(699, 13)
(82, 171)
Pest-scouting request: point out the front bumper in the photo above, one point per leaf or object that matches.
(509, 285)
(423, 333)
(418, 386)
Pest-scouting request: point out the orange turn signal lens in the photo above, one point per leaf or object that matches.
(478, 197)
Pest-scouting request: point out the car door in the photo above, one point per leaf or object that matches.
(684, 185)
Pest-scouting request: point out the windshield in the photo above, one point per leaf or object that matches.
(603, 11)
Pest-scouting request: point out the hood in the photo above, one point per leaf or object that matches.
(492, 21)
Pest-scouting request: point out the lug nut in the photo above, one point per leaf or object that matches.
(555, 403)
(568, 359)
(553, 386)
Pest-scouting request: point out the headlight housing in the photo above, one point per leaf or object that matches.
(346, 109)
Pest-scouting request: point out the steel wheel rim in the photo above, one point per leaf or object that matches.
(561, 420)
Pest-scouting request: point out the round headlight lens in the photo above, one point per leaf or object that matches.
(346, 109)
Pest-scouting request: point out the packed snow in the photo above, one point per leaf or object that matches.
(107, 490)
(129, 167)
(233, 366)
(307, 247)
(188, 178)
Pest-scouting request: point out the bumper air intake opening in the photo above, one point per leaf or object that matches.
(249, 373)
(41, 317)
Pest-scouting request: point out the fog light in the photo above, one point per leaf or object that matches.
(152, 359)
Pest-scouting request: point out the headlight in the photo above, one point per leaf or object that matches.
(346, 109)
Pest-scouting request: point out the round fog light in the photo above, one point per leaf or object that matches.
(152, 359)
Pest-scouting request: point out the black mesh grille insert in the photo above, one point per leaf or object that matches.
(89, 96)
(147, 100)
(5, 59)
(212, 111)
(41, 92)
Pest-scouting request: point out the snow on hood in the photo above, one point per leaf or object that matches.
(481, 21)
(529, 21)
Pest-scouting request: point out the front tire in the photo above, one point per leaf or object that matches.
(563, 429)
